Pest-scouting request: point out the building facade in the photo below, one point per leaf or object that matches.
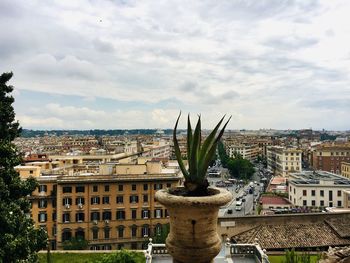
(317, 189)
(345, 169)
(329, 157)
(111, 210)
(247, 151)
(282, 161)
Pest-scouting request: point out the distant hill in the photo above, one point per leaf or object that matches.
(33, 133)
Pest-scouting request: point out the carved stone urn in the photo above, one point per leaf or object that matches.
(193, 233)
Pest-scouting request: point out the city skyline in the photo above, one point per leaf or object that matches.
(128, 65)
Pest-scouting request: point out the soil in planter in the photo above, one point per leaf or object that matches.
(185, 192)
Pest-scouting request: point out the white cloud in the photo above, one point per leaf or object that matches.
(247, 58)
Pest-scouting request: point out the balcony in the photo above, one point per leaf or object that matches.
(234, 253)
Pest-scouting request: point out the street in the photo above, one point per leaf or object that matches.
(249, 201)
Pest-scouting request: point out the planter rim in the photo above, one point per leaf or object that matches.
(220, 198)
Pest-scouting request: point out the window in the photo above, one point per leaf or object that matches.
(120, 215)
(313, 203)
(133, 213)
(313, 192)
(339, 204)
(80, 189)
(42, 217)
(106, 232)
(120, 199)
(330, 204)
(79, 200)
(95, 216)
(67, 201)
(158, 229)
(67, 189)
(54, 216)
(95, 233)
(145, 231)
(294, 190)
(145, 187)
(158, 213)
(42, 188)
(145, 214)
(120, 231)
(331, 195)
(134, 199)
(322, 193)
(133, 231)
(157, 186)
(321, 203)
(79, 217)
(168, 185)
(42, 203)
(133, 187)
(105, 200)
(304, 193)
(65, 217)
(145, 198)
(106, 188)
(120, 187)
(107, 215)
(95, 200)
(339, 193)
(304, 203)
(95, 188)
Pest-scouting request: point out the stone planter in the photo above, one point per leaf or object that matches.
(193, 235)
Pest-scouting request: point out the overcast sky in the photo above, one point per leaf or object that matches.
(135, 64)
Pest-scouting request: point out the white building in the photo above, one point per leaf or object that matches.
(317, 189)
(282, 161)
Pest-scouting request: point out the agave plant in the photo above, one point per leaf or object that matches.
(199, 155)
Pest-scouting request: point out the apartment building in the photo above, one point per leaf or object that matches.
(282, 160)
(345, 169)
(329, 157)
(317, 189)
(111, 210)
(246, 150)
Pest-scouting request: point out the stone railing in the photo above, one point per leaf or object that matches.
(253, 250)
(155, 250)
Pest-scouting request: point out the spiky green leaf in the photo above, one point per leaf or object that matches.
(204, 162)
(193, 159)
(178, 152)
(189, 136)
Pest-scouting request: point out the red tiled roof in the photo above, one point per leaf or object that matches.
(274, 200)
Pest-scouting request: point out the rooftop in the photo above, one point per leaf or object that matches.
(317, 178)
(297, 235)
(274, 200)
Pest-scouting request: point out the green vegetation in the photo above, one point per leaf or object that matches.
(291, 256)
(19, 239)
(161, 237)
(199, 155)
(71, 257)
(122, 256)
(238, 167)
(75, 244)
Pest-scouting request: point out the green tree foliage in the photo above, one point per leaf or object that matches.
(123, 256)
(161, 237)
(19, 239)
(75, 244)
(238, 167)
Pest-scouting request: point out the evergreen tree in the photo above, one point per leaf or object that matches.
(19, 239)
